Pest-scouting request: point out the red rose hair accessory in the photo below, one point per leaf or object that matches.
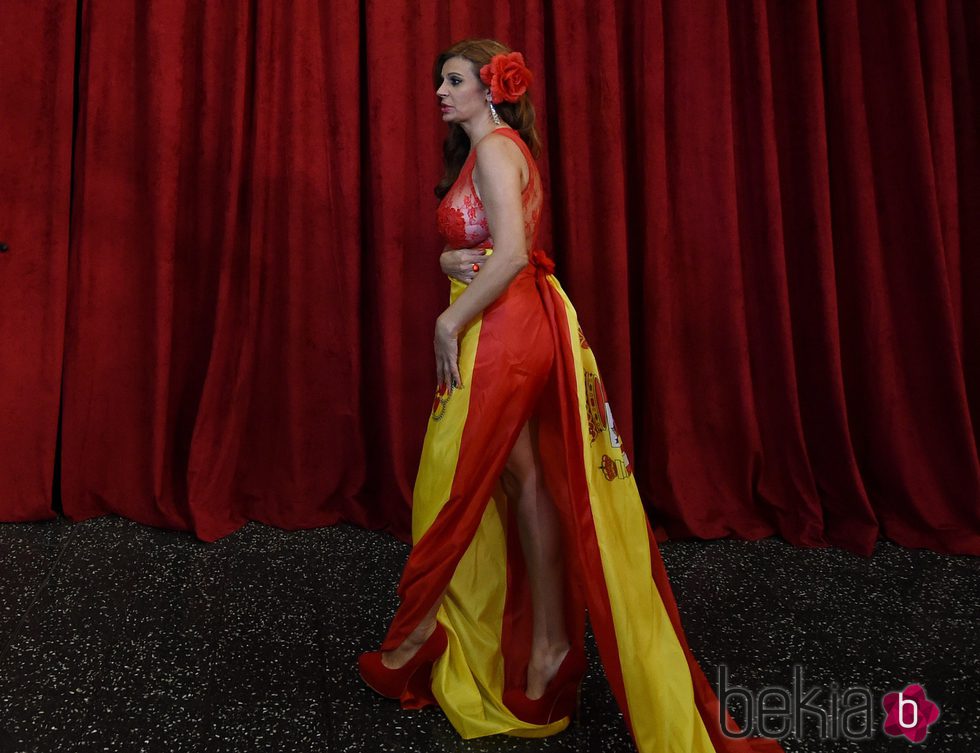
(507, 76)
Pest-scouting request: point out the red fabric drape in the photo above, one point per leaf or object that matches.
(775, 205)
(37, 51)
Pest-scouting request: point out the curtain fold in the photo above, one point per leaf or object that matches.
(774, 206)
(37, 61)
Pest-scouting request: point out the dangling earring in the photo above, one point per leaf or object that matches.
(493, 112)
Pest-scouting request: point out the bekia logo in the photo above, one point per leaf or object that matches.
(827, 713)
(779, 712)
(909, 712)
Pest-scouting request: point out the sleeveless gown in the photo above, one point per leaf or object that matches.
(527, 355)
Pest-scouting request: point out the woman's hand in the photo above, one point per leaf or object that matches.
(446, 343)
(458, 262)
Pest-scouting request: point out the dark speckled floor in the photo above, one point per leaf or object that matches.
(119, 637)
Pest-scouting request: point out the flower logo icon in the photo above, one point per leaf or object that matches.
(909, 712)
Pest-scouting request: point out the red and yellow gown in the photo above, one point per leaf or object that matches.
(525, 355)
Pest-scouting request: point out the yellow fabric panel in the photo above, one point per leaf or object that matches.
(655, 672)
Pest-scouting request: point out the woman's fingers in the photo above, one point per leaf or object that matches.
(440, 371)
(447, 371)
(444, 373)
(466, 258)
(454, 363)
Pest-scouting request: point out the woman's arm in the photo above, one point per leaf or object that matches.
(499, 174)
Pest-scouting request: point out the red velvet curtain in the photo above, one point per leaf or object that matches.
(766, 213)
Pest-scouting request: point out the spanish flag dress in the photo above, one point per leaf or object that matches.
(527, 355)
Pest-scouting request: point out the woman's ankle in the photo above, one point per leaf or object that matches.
(422, 632)
(415, 639)
(548, 654)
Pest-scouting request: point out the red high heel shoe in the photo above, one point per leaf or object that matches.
(561, 694)
(413, 675)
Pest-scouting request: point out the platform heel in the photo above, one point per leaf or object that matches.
(562, 696)
(413, 676)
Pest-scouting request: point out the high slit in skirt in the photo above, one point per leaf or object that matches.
(525, 356)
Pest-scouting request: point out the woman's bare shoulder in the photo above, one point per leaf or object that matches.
(497, 156)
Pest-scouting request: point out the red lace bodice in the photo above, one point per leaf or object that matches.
(460, 215)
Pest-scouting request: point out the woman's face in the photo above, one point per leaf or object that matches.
(462, 95)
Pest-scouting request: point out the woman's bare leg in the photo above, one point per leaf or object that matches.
(540, 534)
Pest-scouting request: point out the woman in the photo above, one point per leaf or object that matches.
(525, 511)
